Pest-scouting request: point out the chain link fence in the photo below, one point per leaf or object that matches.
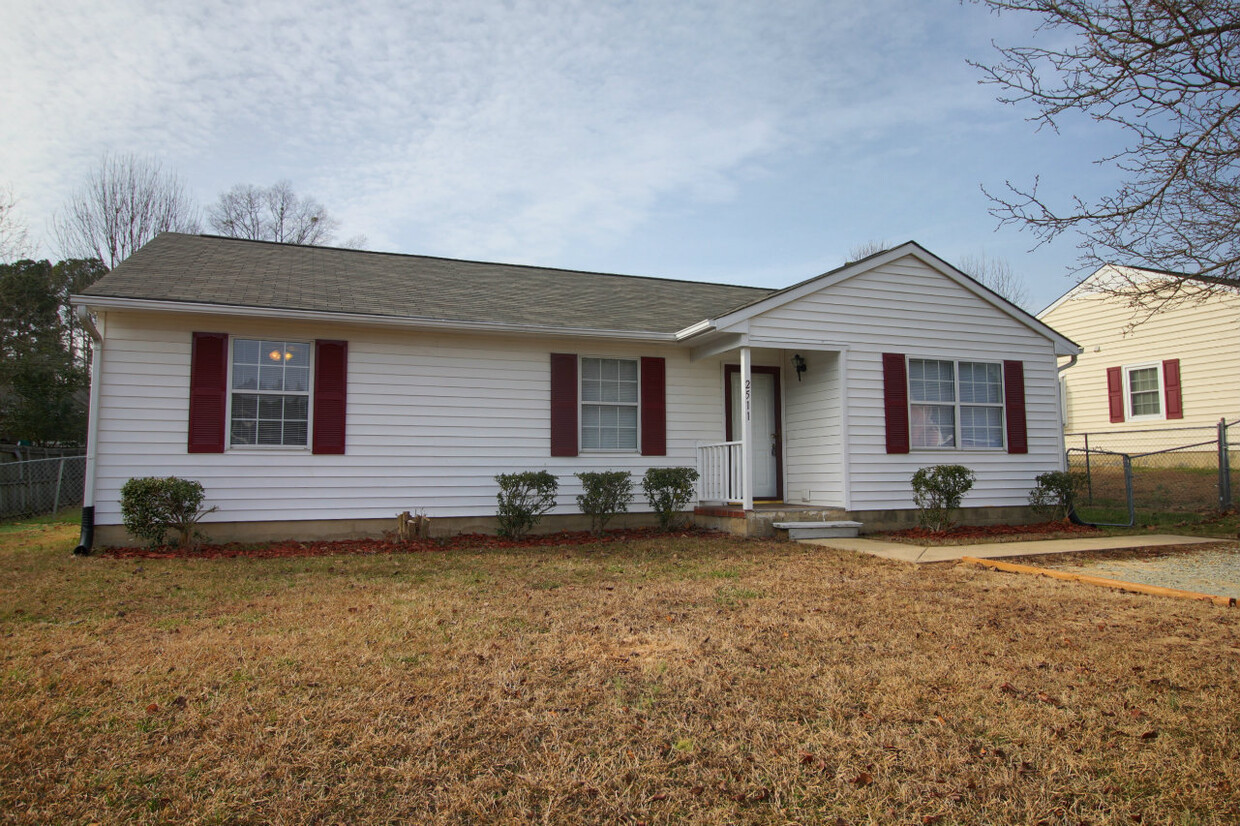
(1171, 470)
(41, 486)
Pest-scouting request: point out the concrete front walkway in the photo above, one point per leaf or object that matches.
(995, 550)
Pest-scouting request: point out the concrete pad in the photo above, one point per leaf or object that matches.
(995, 550)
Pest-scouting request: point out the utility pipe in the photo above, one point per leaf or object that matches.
(87, 538)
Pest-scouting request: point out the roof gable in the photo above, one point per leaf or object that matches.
(826, 281)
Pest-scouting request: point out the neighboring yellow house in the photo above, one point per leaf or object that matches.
(1178, 368)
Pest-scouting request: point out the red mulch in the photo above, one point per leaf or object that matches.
(992, 531)
(472, 541)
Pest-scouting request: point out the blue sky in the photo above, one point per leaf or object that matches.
(741, 142)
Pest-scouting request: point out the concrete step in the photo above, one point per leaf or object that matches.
(817, 530)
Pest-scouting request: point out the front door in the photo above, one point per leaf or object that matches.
(767, 435)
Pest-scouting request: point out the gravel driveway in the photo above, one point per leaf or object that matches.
(1212, 569)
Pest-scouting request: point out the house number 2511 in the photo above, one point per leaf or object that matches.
(748, 382)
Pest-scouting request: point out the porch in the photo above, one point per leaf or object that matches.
(782, 458)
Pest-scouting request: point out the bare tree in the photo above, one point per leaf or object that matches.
(274, 213)
(1168, 73)
(998, 275)
(14, 239)
(871, 247)
(125, 202)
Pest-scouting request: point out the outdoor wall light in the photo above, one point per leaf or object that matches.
(798, 364)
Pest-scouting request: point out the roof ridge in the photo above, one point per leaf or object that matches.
(473, 261)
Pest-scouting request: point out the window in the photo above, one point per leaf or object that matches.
(1144, 391)
(609, 404)
(270, 393)
(955, 404)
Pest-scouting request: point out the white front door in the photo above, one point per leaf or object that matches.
(766, 439)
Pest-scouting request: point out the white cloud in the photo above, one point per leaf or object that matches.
(506, 130)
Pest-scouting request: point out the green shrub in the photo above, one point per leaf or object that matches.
(607, 493)
(523, 499)
(937, 491)
(669, 491)
(1054, 493)
(152, 506)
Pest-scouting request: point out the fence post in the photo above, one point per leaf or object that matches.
(1224, 468)
(1132, 499)
(1089, 476)
(60, 478)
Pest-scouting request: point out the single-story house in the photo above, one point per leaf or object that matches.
(1142, 371)
(319, 392)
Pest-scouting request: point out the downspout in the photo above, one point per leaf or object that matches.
(1072, 517)
(92, 433)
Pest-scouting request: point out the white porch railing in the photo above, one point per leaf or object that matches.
(720, 473)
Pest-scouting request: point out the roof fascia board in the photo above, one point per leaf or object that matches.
(114, 303)
(1063, 345)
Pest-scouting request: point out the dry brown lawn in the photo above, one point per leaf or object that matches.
(676, 680)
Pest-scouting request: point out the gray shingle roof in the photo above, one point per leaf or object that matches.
(229, 271)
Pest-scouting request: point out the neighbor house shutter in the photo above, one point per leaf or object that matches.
(208, 392)
(1171, 389)
(331, 362)
(654, 407)
(1014, 403)
(563, 404)
(1115, 393)
(895, 401)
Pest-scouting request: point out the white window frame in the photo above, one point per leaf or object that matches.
(1129, 415)
(581, 406)
(308, 393)
(957, 405)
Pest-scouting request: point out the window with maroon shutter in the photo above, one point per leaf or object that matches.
(1115, 393)
(654, 407)
(208, 392)
(1014, 399)
(563, 404)
(895, 402)
(331, 375)
(1171, 389)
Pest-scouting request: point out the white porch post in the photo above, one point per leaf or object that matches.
(747, 426)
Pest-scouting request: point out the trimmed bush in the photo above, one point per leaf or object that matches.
(607, 493)
(669, 491)
(151, 507)
(1054, 493)
(937, 491)
(523, 498)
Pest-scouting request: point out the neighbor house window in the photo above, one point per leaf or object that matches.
(270, 399)
(1144, 383)
(608, 404)
(955, 404)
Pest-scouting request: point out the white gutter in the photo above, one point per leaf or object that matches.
(92, 432)
(111, 302)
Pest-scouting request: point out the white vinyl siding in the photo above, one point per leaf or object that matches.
(813, 446)
(432, 418)
(907, 307)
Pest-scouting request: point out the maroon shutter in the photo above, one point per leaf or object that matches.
(208, 392)
(1115, 393)
(331, 375)
(654, 407)
(1171, 389)
(895, 401)
(563, 404)
(1014, 402)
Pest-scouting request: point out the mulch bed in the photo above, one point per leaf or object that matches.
(993, 533)
(472, 541)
